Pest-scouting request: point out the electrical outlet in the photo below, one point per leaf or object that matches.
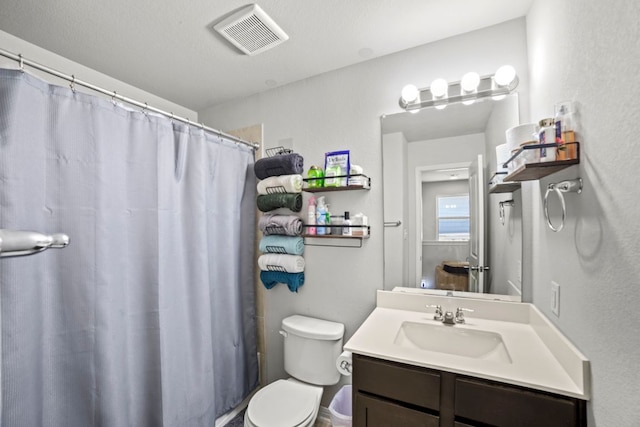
(555, 298)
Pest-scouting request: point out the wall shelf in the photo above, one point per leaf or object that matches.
(366, 185)
(332, 240)
(501, 186)
(504, 187)
(533, 171)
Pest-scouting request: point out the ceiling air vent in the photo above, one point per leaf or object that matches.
(251, 30)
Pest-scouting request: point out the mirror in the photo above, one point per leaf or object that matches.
(440, 231)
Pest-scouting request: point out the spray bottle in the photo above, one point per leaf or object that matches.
(321, 216)
(311, 216)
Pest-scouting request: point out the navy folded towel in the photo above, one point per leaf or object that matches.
(285, 164)
(272, 278)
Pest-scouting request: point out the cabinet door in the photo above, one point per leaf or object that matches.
(504, 405)
(408, 384)
(372, 412)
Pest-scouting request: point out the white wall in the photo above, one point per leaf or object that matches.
(505, 251)
(49, 59)
(396, 248)
(342, 109)
(588, 51)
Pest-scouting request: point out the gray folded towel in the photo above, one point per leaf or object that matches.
(269, 202)
(285, 164)
(288, 225)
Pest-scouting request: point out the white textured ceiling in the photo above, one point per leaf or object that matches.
(168, 47)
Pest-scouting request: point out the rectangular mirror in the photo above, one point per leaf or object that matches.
(444, 228)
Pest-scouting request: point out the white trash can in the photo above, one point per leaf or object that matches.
(340, 407)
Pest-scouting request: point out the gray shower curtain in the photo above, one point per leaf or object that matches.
(147, 317)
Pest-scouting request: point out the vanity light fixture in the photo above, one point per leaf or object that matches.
(472, 87)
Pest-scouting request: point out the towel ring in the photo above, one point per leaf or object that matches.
(569, 186)
(502, 205)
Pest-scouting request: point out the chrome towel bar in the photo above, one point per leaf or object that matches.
(20, 243)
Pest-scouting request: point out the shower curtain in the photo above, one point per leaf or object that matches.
(147, 318)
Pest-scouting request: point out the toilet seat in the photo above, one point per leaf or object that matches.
(284, 403)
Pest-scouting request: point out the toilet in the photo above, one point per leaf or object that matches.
(311, 348)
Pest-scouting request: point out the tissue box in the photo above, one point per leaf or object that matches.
(360, 220)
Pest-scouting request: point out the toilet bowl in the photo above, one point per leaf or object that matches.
(311, 348)
(284, 403)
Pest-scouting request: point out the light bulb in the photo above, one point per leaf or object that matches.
(505, 75)
(470, 82)
(439, 88)
(410, 93)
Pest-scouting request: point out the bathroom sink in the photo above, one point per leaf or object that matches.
(465, 342)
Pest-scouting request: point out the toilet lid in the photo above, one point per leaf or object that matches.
(282, 403)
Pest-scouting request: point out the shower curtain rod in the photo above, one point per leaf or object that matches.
(74, 81)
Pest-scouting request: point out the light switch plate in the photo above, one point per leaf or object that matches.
(555, 298)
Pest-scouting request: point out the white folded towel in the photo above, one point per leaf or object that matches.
(280, 184)
(281, 262)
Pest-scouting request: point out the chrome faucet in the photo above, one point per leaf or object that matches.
(447, 317)
(460, 314)
(438, 314)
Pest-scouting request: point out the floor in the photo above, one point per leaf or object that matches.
(238, 421)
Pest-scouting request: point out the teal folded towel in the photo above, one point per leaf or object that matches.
(282, 245)
(272, 278)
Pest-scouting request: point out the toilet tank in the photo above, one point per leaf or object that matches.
(311, 348)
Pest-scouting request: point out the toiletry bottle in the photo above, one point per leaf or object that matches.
(321, 215)
(547, 135)
(315, 177)
(565, 127)
(346, 230)
(327, 220)
(311, 216)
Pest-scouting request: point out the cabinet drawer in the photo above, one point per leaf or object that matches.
(413, 385)
(372, 412)
(504, 405)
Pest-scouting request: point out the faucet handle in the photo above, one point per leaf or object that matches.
(438, 313)
(460, 314)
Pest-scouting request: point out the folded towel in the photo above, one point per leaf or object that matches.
(285, 164)
(270, 202)
(280, 184)
(288, 225)
(284, 263)
(282, 245)
(272, 278)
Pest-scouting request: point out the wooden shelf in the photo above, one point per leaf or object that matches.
(532, 171)
(334, 236)
(504, 187)
(328, 189)
(365, 186)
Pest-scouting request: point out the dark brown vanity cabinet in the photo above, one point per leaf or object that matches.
(397, 395)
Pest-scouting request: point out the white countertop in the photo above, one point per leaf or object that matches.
(541, 357)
